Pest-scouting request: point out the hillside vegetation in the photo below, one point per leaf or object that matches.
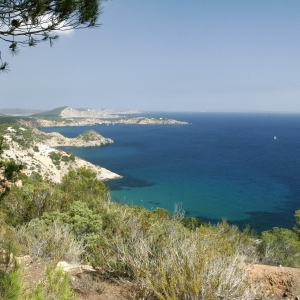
(162, 255)
(77, 222)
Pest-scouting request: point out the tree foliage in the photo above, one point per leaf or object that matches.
(83, 184)
(29, 22)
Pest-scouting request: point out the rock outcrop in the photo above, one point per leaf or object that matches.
(86, 139)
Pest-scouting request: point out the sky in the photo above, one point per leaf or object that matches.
(166, 55)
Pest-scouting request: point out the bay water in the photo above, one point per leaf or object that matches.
(242, 167)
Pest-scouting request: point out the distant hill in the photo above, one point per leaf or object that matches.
(54, 113)
(8, 119)
(69, 112)
(18, 111)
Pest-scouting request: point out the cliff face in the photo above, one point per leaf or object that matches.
(70, 112)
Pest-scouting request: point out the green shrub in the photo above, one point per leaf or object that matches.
(10, 277)
(83, 185)
(192, 223)
(12, 168)
(55, 286)
(86, 224)
(3, 145)
(55, 157)
(7, 237)
(65, 158)
(34, 178)
(79, 218)
(22, 205)
(297, 221)
(280, 246)
(10, 284)
(27, 134)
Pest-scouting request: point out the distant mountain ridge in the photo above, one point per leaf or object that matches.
(51, 113)
(19, 111)
(69, 112)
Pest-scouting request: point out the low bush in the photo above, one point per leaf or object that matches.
(206, 264)
(55, 286)
(10, 276)
(55, 157)
(169, 261)
(84, 223)
(11, 169)
(22, 205)
(82, 185)
(280, 246)
(34, 178)
(10, 284)
(50, 242)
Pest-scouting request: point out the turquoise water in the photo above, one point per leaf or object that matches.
(219, 166)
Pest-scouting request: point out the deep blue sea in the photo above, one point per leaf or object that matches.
(221, 165)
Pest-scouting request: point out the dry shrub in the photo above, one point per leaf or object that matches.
(205, 265)
(87, 284)
(54, 242)
(7, 233)
(169, 261)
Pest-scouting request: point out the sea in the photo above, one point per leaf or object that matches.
(242, 167)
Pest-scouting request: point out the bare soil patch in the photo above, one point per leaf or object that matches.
(274, 282)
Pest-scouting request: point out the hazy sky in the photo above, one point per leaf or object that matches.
(172, 55)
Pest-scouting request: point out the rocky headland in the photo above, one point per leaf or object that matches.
(35, 151)
(68, 116)
(88, 138)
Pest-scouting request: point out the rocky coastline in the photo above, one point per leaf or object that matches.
(41, 156)
(38, 153)
(94, 121)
